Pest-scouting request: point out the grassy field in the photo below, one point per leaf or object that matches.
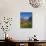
(26, 24)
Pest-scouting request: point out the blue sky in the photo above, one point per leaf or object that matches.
(26, 15)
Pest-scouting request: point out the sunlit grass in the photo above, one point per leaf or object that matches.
(26, 25)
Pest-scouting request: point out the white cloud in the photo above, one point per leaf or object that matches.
(26, 18)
